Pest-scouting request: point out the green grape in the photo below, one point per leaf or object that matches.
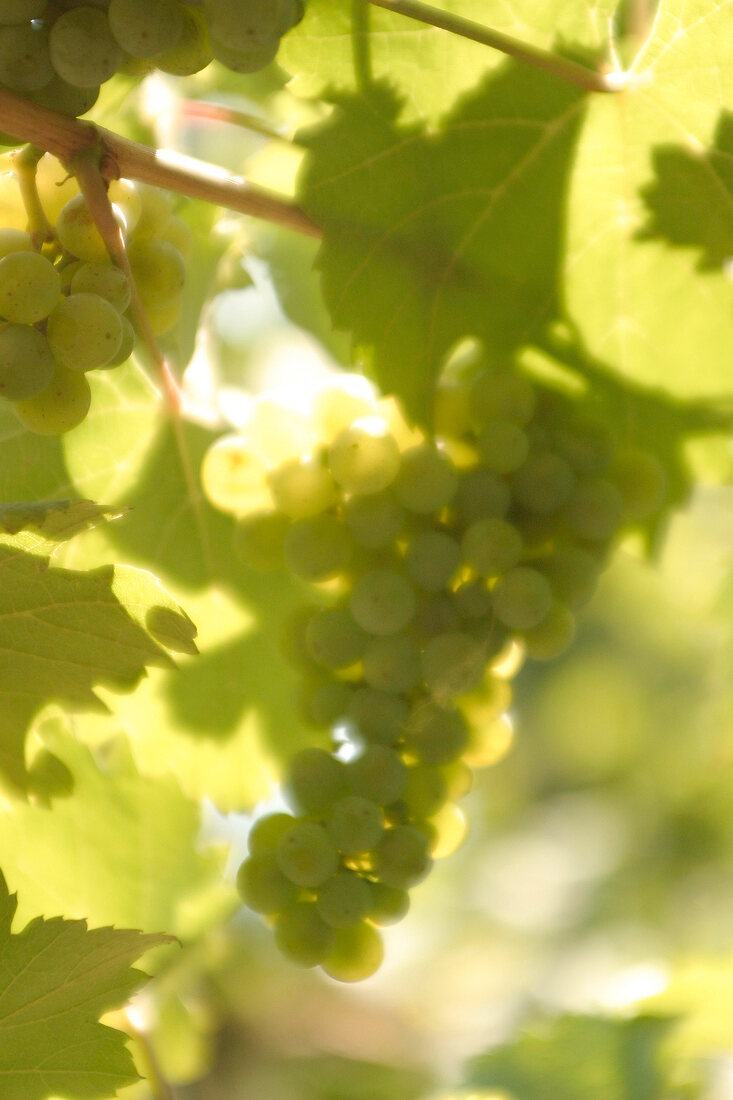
(83, 49)
(595, 510)
(67, 99)
(333, 639)
(262, 885)
(21, 11)
(586, 445)
(355, 824)
(14, 240)
(389, 905)
(302, 934)
(502, 396)
(492, 546)
(641, 481)
(146, 210)
(503, 446)
(544, 483)
(426, 481)
(159, 271)
(379, 715)
(241, 22)
(435, 615)
(329, 702)
(379, 775)
(364, 458)
(26, 362)
(192, 51)
(451, 409)
(126, 348)
(356, 954)
(306, 854)
(480, 494)
(78, 234)
(382, 602)
(573, 574)
(258, 540)
(25, 64)
(431, 559)
(177, 233)
(314, 781)
(106, 280)
(59, 407)
(344, 900)
(452, 664)
(144, 29)
(164, 319)
(401, 859)
(84, 331)
(231, 476)
(426, 790)
(267, 832)
(522, 598)
(375, 521)
(248, 60)
(29, 287)
(458, 777)
(302, 487)
(317, 547)
(392, 663)
(472, 601)
(436, 734)
(553, 635)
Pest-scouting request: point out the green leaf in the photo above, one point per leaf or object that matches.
(56, 979)
(577, 1057)
(56, 520)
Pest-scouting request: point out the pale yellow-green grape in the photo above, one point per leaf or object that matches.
(106, 280)
(552, 635)
(30, 287)
(232, 478)
(127, 197)
(25, 63)
(159, 271)
(13, 240)
(163, 319)
(84, 331)
(192, 51)
(277, 432)
(78, 234)
(364, 458)
(56, 187)
(177, 233)
(144, 29)
(126, 348)
(83, 49)
(302, 488)
(26, 362)
(61, 406)
(153, 211)
(20, 11)
(337, 406)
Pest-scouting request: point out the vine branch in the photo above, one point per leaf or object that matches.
(559, 66)
(67, 138)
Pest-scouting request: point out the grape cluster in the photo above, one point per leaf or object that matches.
(429, 563)
(63, 303)
(58, 52)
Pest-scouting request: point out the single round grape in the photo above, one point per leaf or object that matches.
(21, 11)
(26, 362)
(14, 240)
(451, 409)
(83, 49)
(378, 775)
(25, 63)
(544, 483)
(317, 547)
(573, 574)
(389, 905)
(426, 790)
(379, 716)
(502, 396)
(426, 481)
(472, 601)
(106, 280)
(29, 287)
(492, 546)
(306, 854)
(67, 99)
(364, 458)
(453, 664)
(303, 935)
(552, 636)
(262, 885)
(146, 209)
(382, 602)
(329, 702)
(192, 51)
(356, 954)
(78, 234)
(84, 331)
(302, 487)
(164, 319)
(62, 405)
(375, 521)
(481, 493)
(248, 60)
(503, 446)
(232, 478)
(431, 559)
(242, 22)
(267, 831)
(641, 481)
(144, 29)
(314, 780)
(55, 186)
(344, 900)
(436, 734)
(522, 598)
(339, 403)
(595, 510)
(177, 233)
(401, 859)
(436, 614)
(392, 663)
(333, 639)
(587, 446)
(355, 824)
(258, 540)
(159, 271)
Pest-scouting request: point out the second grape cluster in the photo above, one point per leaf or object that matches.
(431, 563)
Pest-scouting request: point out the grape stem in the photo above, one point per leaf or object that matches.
(25, 163)
(562, 67)
(195, 108)
(66, 138)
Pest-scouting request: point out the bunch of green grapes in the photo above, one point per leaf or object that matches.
(63, 304)
(58, 52)
(431, 563)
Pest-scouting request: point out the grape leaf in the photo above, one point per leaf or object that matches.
(56, 520)
(58, 977)
(580, 1056)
